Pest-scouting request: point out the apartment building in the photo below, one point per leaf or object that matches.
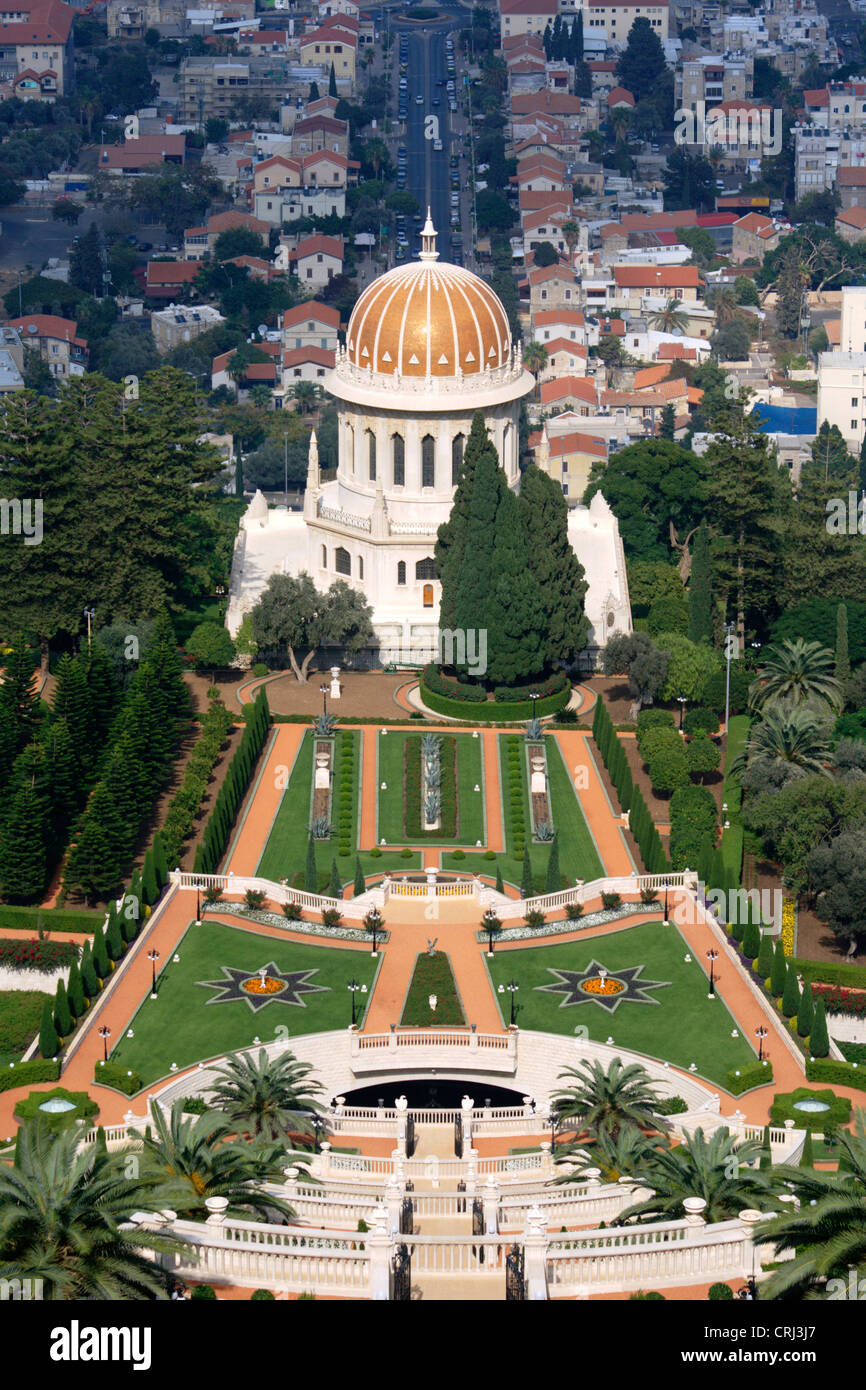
(526, 16)
(36, 51)
(56, 340)
(311, 325)
(713, 79)
(616, 17)
(180, 323)
(821, 155)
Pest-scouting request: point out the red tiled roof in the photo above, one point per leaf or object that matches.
(617, 94)
(320, 246)
(172, 272)
(312, 311)
(546, 316)
(565, 345)
(576, 443)
(676, 352)
(581, 387)
(47, 22)
(851, 178)
(47, 326)
(656, 276)
(854, 217)
(320, 357)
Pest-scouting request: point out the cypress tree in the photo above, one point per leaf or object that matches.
(500, 887)
(705, 859)
(159, 861)
(843, 664)
(89, 977)
(668, 422)
(360, 885)
(527, 886)
(451, 541)
(559, 575)
(311, 873)
(807, 1158)
(49, 1043)
(101, 963)
(130, 918)
(819, 1038)
(791, 994)
(700, 594)
(779, 970)
(332, 83)
(765, 956)
(806, 1012)
(336, 882)
(75, 992)
(114, 935)
(554, 873)
(150, 887)
(751, 940)
(515, 617)
(766, 1160)
(62, 1014)
(474, 580)
(101, 1144)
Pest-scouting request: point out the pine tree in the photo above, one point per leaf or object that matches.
(311, 873)
(779, 970)
(101, 962)
(19, 703)
(791, 994)
(23, 857)
(49, 1043)
(705, 859)
(558, 573)
(159, 861)
(701, 589)
(843, 664)
(360, 885)
(765, 956)
(500, 887)
(130, 917)
(807, 1158)
(806, 1012)
(527, 885)
(103, 691)
(75, 992)
(72, 703)
(819, 1038)
(336, 881)
(64, 781)
(751, 940)
(89, 977)
(668, 422)
(642, 63)
(451, 541)
(554, 873)
(62, 1014)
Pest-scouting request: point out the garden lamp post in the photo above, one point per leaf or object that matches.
(667, 918)
(198, 906)
(553, 1121)
(353, 987)
(534, 695)
(153, 957)
(512, 987)
(373, 922)
(712, 957)
(318, 1125)
(760, 1034)
(90, 614)
(105, 1034)
(323, 691)
(491, 924)
(681, 701)
(730, 643)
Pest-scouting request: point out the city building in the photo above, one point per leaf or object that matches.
(36, 50)
(181, 324)
(56, 340)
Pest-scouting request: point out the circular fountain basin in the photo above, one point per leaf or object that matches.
(812, 1107)
(57, 1106)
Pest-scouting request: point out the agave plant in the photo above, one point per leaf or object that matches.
(325, 725)
(534, 728)
(432, 807)
(321, 828)
(544, 830)
(433, 776)
(430, 745)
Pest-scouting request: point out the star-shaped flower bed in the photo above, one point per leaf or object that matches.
(598, 985)
(269, 985)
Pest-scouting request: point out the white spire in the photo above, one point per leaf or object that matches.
(428, 250)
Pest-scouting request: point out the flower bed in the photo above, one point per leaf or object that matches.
(838, 1000)
(413, 792)
(45, 956)
(789, 923)
(273, 919)
(594, 919)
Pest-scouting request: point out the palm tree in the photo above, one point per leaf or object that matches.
(725, 305)
(196, 1159)
(670, 319)
(796, 671)
(267, 1098)
(306, 395)
(603, 1102)
(535, 360)
(787, 737)
(826, 1237)
(62, 1215)
(714, 1168)
(612, 1156)
(571, 232)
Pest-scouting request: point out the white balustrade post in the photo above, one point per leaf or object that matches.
(380, 1246)
(694, 1208)
(535, 1252)
(216, 1211)
(546, 1157)
(399, 1160)
(324, 1164)
(466, 1105)
(471, 1156)
(490, 1198)
(290, 1186)
(402, 1107)
(751, 1255)
(393, 1202)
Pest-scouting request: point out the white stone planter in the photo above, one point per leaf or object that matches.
(32, 979)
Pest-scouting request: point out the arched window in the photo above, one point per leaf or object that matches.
(428, 596)
(342, 561)
(324, 557)
(401, 572)
(371, 454)
(428, 469)
(456, 457)
(398, 449)
(426, 568)
(506, 443)
(350, 447)
(360, 567)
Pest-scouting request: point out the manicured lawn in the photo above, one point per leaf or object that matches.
(285, 852)
(732, 839)
(470, 803)
(182, 1026)
(20, 1016)
(432, 975)
(681, 1027)
(578, 857)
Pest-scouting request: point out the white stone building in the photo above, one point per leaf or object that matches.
(427, 345)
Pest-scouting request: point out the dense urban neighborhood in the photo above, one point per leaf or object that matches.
(433, 663)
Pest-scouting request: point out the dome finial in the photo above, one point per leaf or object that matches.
(428, 250)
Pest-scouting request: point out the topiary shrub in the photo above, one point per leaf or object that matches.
(375, 852)
(262, 1296)
(701, 720)
(204, 1292)
(610, 901)
(259, 670)
(534, 918)
(118, 1077)
(574, 911)
(720, 1293)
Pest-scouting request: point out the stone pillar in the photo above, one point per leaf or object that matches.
(216, 1207)
(402, 1106)
(546, 1157)
(325, 1159)
(399, 1161)
(431, 883)
(471, 1157)
(490, 1198)
(751, 1254)
(381, 1248)
(393, 1202)
(694, 1208)
(466, 1120)
(535, 1250)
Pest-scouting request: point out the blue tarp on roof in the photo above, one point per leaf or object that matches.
(786, 419)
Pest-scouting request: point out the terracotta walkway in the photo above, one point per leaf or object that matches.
(261, 809)
(409, 940)
(576, 749)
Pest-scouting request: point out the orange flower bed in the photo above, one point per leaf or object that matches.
(599, 986)
(266, 986)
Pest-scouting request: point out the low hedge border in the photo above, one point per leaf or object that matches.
(491, 712)
(53, 919)
(836, 1073)
(117, 1077)
(830, 973)
(748, 1078)
(784, 1108)
(28, 1073)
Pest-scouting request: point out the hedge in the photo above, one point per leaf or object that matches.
(119, 1078)
(511, 694)
(29, 1073)
(433, 679)
(837, 1073)
(53, 918)
(829, 973)
(784, 1108)
(211, 848)
(492, 712)
(740, 1079)
(185, 803)
(630, 796)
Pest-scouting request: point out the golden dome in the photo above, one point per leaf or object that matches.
(428, 319)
